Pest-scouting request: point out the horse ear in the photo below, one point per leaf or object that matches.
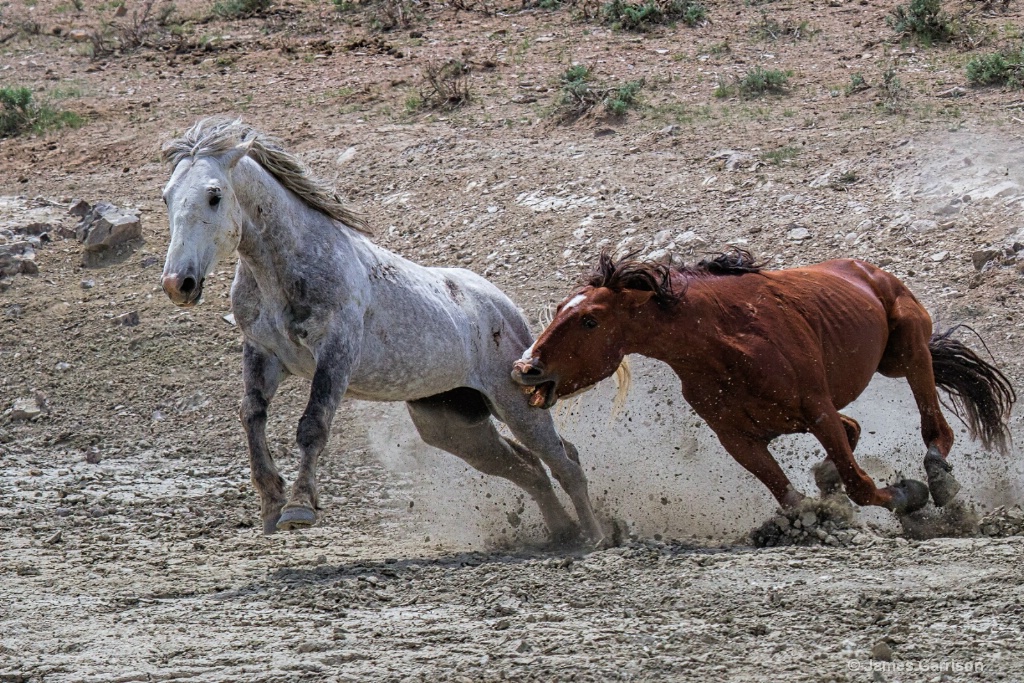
(639, 297)
(235, 154)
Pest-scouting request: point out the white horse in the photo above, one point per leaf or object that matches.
(315, 297)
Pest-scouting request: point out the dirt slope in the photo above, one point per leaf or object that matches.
(127, 545)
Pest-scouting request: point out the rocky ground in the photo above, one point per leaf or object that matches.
(128, 545)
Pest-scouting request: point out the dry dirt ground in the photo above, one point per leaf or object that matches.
(128, 550)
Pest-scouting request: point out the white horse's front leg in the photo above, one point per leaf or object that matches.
(330, 380)
(261, 372)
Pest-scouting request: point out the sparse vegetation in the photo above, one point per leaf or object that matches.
(926, 22)
(923, 20)
(20, 114)
(778, 156)
(857, 84)
(235, 9)
(623, 98)
(445, 86)
(997, 68)
(894, 95)
(769, 28)
(755, 83)
(579, 94)
(144, 27)
(624, 15)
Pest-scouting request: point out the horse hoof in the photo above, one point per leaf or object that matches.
(270, 524)
(826, 477)
(941, 483)
(296, 518)
(908, 496)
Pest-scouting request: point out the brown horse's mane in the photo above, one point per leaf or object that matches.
(656, 276)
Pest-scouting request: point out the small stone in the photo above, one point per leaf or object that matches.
(808, 518)
(940, 256)
(62, 366)
(502, 624)
(982, 257)
(923, 225)
(881, 652)
(229, 319)
(798, 234)
(25, 409)
(56, 538)
(87, 284)
(129, 319)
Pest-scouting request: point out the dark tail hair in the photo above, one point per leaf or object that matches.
(981, 395)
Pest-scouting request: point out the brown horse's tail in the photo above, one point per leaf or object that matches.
(981, 395)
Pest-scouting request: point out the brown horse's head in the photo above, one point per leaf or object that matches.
(592, 330)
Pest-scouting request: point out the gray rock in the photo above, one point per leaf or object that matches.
(982, 257)
(798, 234)
(129, 319)
(923, 225)
(80, 208)
(108, 226)
(881, 652)
(690, 238)
(25, 409)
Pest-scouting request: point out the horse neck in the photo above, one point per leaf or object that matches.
(279, 228)
(678, 335)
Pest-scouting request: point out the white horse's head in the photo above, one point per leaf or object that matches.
(205, 219)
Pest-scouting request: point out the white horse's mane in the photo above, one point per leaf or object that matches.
(215, 135)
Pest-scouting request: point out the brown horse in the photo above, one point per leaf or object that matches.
(762, 353)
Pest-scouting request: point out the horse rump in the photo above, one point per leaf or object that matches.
(981, 395)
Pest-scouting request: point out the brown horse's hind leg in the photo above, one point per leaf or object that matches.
(755, 457)
(905, 497)
(907, 355)
(826, 475)
(459, 422)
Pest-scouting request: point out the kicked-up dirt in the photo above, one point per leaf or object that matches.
(129, 542)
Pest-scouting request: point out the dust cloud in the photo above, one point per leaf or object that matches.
(659, 471)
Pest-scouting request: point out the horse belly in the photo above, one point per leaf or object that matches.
(405, 365)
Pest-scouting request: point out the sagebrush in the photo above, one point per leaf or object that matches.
(20, 113)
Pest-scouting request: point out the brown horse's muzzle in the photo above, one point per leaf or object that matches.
(536, 383)
(183, 290)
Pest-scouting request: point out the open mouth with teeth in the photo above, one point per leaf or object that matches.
(541, 395)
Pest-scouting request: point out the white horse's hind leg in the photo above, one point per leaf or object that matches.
(459, 422)
(536, 431)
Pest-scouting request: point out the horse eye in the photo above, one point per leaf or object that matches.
(588, 322)
(214, 200)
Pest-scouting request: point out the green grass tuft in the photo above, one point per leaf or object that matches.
(20, 114)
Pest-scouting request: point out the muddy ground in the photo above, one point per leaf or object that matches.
(129, 547)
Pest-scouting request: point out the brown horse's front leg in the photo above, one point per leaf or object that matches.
(905, 497)
(754, 456)
(261, 375)
(330, 380)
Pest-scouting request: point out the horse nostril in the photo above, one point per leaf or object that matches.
(188, 285)
(533, 369)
